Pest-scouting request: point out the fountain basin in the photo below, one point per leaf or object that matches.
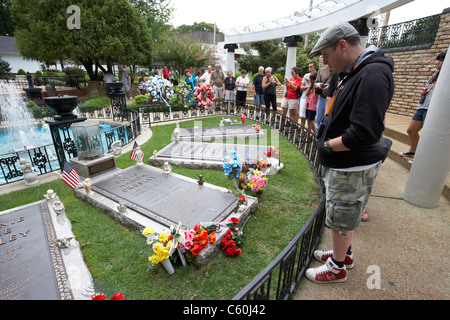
(63, 106)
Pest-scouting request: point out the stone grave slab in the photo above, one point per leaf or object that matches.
(218, 133)
(204, 155)
(166, 198)
(32, 264)
(154, 191)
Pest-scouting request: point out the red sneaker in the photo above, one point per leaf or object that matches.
(327, 273)
(322, 256)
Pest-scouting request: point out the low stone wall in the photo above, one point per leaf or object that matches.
(413, 68)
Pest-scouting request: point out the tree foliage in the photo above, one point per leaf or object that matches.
(197, 26)
(5, 70)
(111, 31)
(273, 53)
(6, 21)
(184, 52)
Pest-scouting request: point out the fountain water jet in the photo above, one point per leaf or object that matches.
(19, 121)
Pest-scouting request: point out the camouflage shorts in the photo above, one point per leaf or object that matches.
(347, 194)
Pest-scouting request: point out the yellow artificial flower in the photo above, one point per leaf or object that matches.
(162, 237)
(160, 253)
(148, 231)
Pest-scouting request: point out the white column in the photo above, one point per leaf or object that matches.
(231, 47)
(230, 62)
(431, 164)
(291, 61)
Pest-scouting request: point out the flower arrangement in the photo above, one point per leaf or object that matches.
(233, 237)
(193, 241)
(257, 181)
(257, 127)
(228, 121)
(159, 89)
(161, 243)
(232, 165)
(183, 94)
(204, 95)
(273, 152)
(101, 296)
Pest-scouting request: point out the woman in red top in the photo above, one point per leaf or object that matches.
(290, 99)
(311, 102)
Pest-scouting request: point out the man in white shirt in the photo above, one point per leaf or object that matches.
(206, 77)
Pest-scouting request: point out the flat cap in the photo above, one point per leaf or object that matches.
(332, 36)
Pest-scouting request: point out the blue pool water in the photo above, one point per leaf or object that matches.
(13, 145)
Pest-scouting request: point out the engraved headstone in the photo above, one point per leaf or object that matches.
(216, 133)
(166, 198)
(31, 266)
(204, 155)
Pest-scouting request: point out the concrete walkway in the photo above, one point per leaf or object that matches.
(406, 244)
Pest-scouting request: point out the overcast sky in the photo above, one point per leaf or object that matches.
(236, 13)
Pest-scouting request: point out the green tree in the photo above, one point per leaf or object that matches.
(197, 26)
(5, 70)
(184, 52)
(111, 31)
(6, 22)
(272, 53)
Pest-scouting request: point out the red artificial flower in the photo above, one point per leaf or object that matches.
(98, 296)
(223, 243)
(243, 118)
(234, 220)
(117, 296)
(242, 198)
(212, 237)
(196, 250)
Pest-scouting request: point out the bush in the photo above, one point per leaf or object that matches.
(279, 77)
(5, 69)
(69, 71)
(21, 72)
(38, 73)
(141, 99)
(36, 111)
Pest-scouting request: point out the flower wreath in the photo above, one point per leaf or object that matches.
(204, 95)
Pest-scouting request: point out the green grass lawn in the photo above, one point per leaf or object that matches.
(118, 256)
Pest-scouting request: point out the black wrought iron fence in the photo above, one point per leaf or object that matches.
(280, 278)
(44, 159)
(419, 33)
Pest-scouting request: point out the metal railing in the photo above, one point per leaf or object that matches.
(58, 81)
(417, 34)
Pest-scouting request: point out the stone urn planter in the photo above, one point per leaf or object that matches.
(63, 106)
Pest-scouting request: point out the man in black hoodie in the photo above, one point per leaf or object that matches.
(348, 147)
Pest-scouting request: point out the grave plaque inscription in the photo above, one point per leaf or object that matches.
(166, 198)
(31, 266)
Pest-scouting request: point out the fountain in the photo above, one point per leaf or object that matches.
(19, 122)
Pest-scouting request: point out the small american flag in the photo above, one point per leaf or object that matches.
(70, 176)
(133, 152)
